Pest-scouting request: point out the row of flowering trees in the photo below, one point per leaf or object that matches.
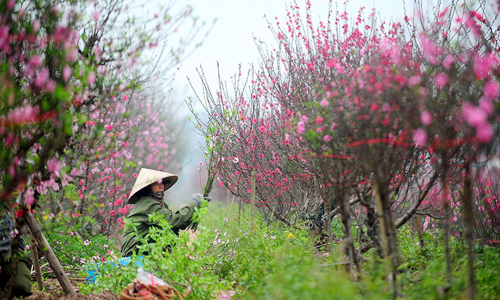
(399, 117)
(79, 101)
(82, 89)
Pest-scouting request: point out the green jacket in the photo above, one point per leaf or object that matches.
(143, 208)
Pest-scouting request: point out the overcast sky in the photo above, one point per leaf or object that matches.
(231, 40)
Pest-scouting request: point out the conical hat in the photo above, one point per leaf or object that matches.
(147, 177)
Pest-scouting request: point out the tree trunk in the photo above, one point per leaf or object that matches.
(469, 226)
(346, 220)
(418, 225)
(49, 254)
(446, 225)
(387, 233)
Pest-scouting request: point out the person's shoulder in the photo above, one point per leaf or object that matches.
(145, 200)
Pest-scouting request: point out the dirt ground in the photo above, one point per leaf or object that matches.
(53, 291)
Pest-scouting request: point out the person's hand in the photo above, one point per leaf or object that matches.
(197, 198)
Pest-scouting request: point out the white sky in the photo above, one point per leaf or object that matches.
(231, 40)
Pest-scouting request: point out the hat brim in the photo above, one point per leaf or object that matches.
(146, 177)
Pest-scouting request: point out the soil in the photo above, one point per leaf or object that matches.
(53, 291)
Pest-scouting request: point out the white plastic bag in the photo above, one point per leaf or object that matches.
(148, 278)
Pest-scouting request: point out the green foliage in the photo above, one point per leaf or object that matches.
(179, 260)
(72, 243)
(424, 274)
(276, 262)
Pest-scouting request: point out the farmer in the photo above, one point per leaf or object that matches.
(147, 197)
(22, 282)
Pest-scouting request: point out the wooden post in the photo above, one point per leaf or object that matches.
(49, 254)
(252, 200)
(36, 263)
(227, 202)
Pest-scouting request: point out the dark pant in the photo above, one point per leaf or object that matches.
(22, 283)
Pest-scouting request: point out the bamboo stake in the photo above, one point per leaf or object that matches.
(239, 211)
(49, 254)
(227, 202)
(252, 200)
(36, 262)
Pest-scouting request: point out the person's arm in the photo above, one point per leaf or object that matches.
(180, 219)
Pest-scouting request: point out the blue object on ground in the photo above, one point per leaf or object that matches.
(94, 270)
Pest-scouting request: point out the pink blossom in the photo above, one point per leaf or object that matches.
(301, 127)
(29, 199)
(486, 105)
(324, 103)
(41, 78)
(112, 213)
(426, 118)
(221, 184)
(327, 138)
(473, 115)
(426, 222)
(36, 25)
(484, 133)
(50, 86)
(482, 66)
(491, 89)
(118, 202)
(441, 80)
(35, 61)
(448, 61)
(120, 109)
(72, 55)
(24, 114)
(430, 49)
(53, 166)
(420, 137)
(66, 73)
(91, 78)
(413, 81)
(287, 139)
(319, 120)
(95, 15)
